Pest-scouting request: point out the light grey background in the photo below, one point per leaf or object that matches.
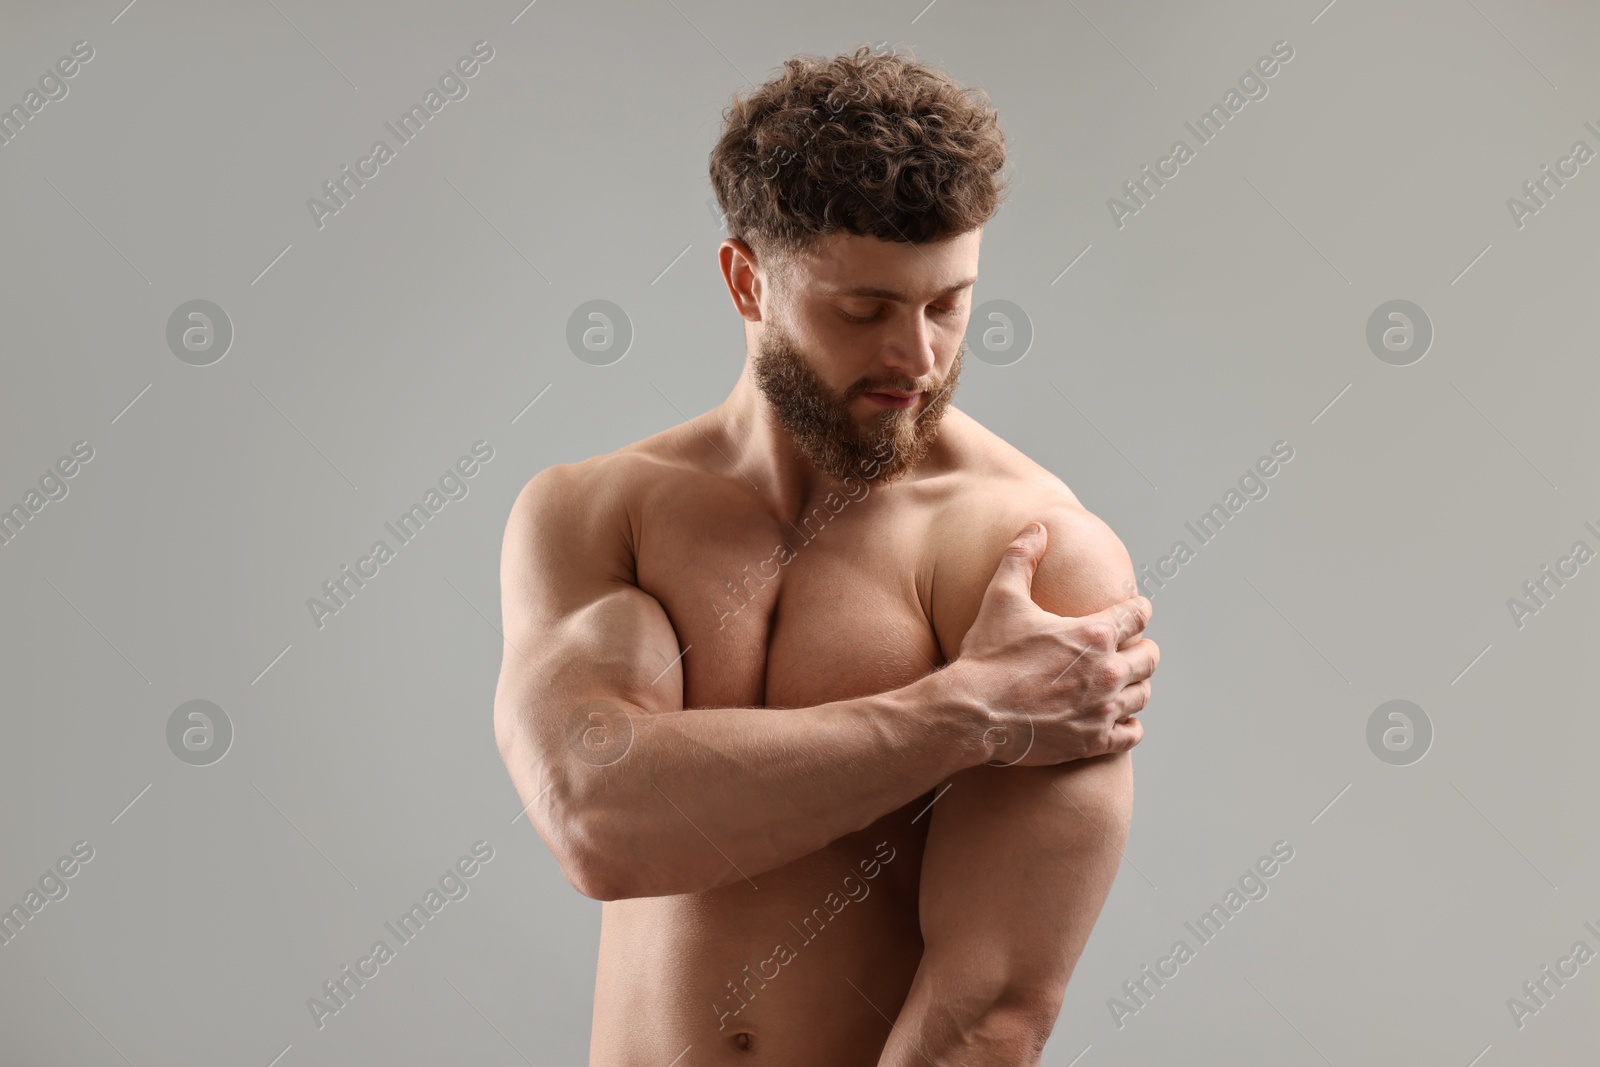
(1229, 313)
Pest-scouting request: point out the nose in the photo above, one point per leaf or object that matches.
(910, 349)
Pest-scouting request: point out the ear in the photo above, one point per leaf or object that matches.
(741, 272)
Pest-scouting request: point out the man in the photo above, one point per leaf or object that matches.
(844, 753)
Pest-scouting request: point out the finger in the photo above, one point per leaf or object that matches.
(1128, 617)
(1141, 658)
(1020, 560)
(1133, 698)
(1125, 734)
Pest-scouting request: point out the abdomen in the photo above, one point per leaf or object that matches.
(800, 970)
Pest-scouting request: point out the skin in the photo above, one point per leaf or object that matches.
(846, 757)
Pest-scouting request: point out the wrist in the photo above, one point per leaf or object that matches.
(967, 717)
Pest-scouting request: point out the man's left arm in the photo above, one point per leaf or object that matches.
(1019, 860)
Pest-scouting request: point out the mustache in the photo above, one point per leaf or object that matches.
(907, 385)
(898, 385)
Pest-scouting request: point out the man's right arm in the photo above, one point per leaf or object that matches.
(638, 796)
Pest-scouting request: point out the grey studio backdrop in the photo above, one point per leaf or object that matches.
(344, 362)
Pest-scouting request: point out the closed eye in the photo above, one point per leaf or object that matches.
(946, 312)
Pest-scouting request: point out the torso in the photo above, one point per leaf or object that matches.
(810, 964)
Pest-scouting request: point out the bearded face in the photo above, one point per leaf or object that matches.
(837, 441)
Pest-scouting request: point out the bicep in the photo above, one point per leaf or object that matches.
(576, 629)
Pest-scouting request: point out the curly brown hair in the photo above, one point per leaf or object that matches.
(871, 143)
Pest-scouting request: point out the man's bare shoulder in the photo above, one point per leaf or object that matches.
(991, 492)
(612, 482)
(968, 456)
(589, 509)
(987, 488)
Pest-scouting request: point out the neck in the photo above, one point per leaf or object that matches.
(762, 453)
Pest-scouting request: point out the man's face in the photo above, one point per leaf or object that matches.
(858, 316)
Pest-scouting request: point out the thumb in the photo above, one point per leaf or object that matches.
(1020, 560)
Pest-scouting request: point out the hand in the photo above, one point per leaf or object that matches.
(1052, 688)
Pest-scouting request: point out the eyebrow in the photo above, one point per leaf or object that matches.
(891, 294)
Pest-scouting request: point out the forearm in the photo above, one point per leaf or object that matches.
(685, 801)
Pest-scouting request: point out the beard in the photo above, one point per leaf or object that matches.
(825, 431)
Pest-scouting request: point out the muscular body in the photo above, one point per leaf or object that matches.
(735, 724)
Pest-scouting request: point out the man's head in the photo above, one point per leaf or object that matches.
(855, 191)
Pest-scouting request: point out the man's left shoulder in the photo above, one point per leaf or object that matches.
(1085, 568)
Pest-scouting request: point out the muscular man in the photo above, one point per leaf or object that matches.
(845, 754)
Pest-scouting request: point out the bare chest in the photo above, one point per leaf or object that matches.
(773, 614)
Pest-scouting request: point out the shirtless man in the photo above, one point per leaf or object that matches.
(845, 755)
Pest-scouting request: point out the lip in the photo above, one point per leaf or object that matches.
(892, 398)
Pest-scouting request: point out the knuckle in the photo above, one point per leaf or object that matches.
(1105, 736)
(1106, 674)
(1098, 633)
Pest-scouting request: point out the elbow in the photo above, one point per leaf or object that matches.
(589, 856)
(1011, 1029)
(567, 822)
(1020, 1023)
(608, 848)
(610, 854)
(592, 861)
(574, 809)
(990, 1017)
(586, 838)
